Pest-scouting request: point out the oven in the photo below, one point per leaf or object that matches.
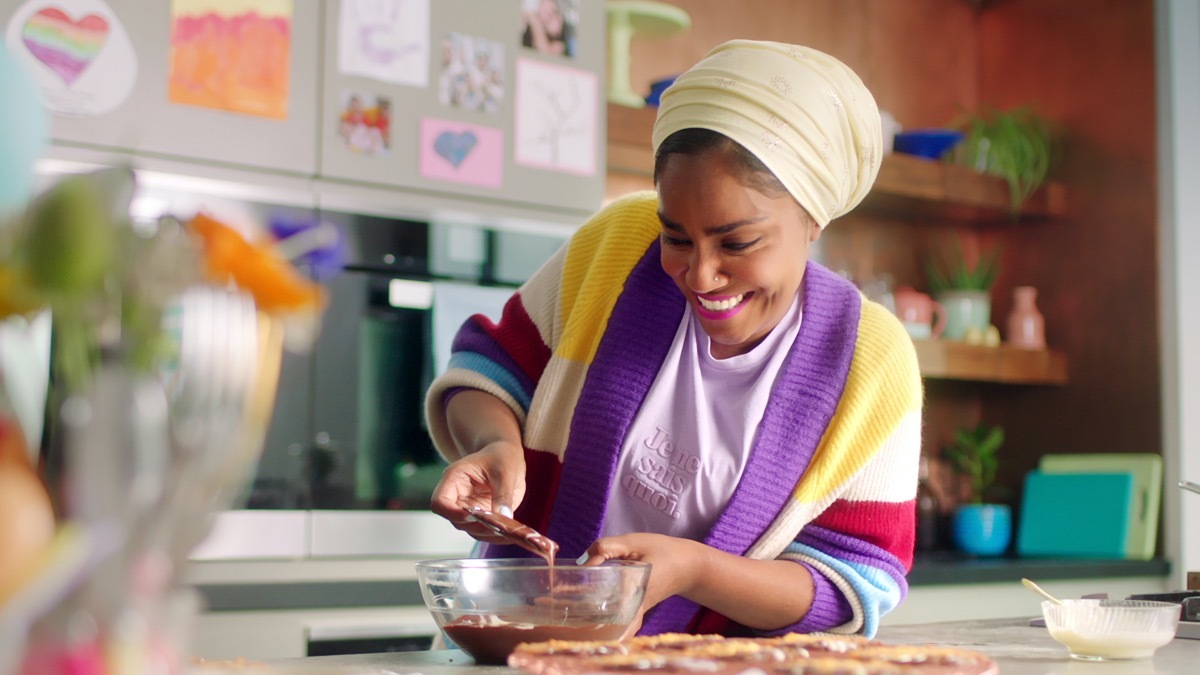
(348, 429)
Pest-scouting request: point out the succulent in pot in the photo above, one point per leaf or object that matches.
(962, 283)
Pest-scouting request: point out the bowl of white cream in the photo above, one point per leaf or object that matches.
(1103, 630)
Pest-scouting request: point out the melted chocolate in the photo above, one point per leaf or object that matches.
(491, 644)
(518, 533)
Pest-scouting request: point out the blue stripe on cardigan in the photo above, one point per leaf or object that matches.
(493, 371)
(878, 591)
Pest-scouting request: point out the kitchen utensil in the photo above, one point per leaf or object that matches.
(1103, 630)
(488, 606)
(221, 396)
(1040, 591)
(1190, 486)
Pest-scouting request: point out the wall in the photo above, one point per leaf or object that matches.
(917, 56)
(1179, 145)
(1090, 69)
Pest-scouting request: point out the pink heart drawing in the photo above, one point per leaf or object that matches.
(65, 45)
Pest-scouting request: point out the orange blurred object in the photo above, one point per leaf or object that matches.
(27, 523)
(256, 268)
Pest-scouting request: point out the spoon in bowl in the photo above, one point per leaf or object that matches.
(1040, 591)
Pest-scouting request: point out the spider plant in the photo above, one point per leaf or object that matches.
(1015, 144)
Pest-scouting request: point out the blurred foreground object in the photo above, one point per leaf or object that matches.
(22, 134)
(167, 342)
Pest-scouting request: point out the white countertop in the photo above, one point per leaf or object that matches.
(1018, 648)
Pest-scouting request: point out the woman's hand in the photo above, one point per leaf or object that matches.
(490, 471)
(759, 594)
(675, 563)
(492, 479)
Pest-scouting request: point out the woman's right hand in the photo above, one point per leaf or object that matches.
(490, 471)
(492, 479)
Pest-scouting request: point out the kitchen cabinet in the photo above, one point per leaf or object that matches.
(908, 188)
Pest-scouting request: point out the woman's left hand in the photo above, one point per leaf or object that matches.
(758, 594)
(674, 564)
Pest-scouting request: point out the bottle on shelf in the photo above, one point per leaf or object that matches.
(1026, 325)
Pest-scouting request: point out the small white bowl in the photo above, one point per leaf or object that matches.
(1103, 630)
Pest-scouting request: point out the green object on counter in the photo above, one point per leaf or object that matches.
(1145, 500)
(1082, 515)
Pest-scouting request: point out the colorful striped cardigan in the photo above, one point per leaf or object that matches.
(831, 481)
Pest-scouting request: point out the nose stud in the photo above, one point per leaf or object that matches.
(717, 278)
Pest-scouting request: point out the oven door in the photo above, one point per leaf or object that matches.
(348, 428)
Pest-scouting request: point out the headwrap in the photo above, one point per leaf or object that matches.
(801, 112)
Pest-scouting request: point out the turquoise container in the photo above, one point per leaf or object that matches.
(983, 529)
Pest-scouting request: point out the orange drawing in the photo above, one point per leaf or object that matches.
(231, 55)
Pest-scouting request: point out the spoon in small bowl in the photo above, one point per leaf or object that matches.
(1040, 591)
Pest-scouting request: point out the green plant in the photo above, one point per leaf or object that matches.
(973, 454)
(949, 269)
(1015, 144)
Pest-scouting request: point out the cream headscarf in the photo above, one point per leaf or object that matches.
(803, 113)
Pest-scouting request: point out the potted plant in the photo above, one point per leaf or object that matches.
(980, 528)
(1015, 144)
(963, 285)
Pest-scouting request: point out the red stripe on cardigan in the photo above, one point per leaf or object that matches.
(519, 337)
(891, 526)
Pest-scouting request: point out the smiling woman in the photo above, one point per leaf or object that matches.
(680, 385)
(734, 249)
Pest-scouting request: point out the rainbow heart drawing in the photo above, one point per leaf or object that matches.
(65, 45)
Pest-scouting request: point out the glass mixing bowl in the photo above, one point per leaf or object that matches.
(489, 606)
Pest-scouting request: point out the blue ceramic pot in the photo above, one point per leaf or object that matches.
(983, 529)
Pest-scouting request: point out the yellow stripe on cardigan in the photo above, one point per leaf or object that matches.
(883, 386)
(600, 259)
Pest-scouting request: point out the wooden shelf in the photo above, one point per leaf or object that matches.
(907, 186)
(914, 186)
(950, 360)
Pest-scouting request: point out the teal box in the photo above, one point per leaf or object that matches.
(1075, 515)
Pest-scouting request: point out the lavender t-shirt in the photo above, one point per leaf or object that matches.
(687, 447)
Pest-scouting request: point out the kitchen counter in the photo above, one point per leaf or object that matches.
(1018, 648)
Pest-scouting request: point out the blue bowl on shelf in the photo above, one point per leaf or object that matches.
(928, 143)
(657, 88)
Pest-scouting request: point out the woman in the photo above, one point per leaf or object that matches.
(680, 385)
